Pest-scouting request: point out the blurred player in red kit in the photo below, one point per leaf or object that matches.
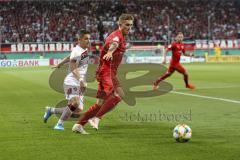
(177, 49)
(109, 92)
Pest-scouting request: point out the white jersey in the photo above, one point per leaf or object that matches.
(81, 56)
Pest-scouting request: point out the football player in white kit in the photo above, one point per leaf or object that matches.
(75, 81)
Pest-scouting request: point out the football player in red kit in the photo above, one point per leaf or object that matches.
(109, 92)
(177, 49)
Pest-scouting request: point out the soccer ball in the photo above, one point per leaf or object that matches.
(182, 133)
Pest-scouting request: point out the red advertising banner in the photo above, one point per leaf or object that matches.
(43, 47)
(67, 47)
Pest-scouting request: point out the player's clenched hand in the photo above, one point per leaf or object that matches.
(108, 56)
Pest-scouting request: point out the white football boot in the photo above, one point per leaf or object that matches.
(78, 128)
(94, 122)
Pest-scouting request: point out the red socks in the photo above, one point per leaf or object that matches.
(98, 111)
(108, 105)
(91, 112)
(161, 78)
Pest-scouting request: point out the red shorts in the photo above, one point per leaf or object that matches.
(176, 67)
(106, 85)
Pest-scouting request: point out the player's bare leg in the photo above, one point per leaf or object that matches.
(190, 86)
(49, 111)
(67, 112)
(183, 71)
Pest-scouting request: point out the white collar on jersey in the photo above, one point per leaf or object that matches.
(83, 50)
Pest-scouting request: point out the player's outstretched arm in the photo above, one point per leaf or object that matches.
(65, 60)
(188, 55)
(112, 48)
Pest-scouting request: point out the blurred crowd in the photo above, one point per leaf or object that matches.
(37, 21)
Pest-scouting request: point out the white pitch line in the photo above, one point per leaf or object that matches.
(206, 97)
(217, 87)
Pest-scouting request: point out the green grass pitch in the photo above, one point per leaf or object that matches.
(24, 92)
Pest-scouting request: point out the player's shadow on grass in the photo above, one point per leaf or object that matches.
(133, 87)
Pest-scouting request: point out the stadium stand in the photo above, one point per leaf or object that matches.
(23, 21)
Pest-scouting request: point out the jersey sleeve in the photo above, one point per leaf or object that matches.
(113, 38)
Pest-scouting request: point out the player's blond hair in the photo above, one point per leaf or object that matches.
(124, 17)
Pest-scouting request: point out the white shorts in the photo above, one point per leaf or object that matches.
(74, 91)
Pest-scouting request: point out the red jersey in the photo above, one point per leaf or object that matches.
(177, 49)
(112, 65)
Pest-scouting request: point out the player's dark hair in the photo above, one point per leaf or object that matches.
(82, 33)
(179, 33)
